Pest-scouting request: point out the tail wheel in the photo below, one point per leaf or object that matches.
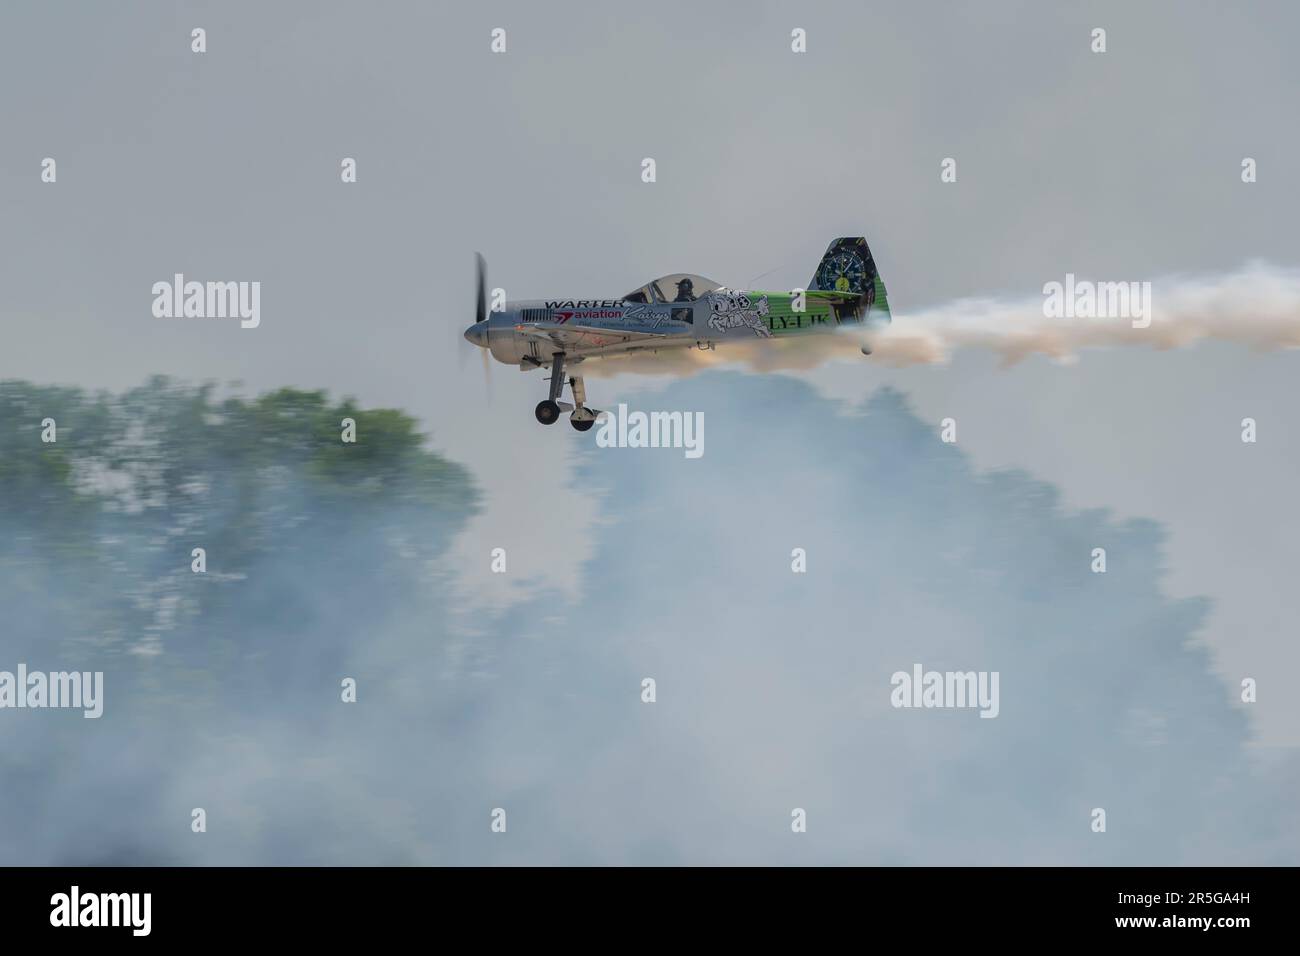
(547, 412)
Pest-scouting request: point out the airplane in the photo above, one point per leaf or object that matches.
(680, 310)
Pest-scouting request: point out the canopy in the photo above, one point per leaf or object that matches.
(676, 287)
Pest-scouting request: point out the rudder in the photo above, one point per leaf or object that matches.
(849, 270)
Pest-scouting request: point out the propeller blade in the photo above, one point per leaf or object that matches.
(481, 311)
(480, 315)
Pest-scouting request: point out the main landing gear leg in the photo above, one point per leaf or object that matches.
(548, 412)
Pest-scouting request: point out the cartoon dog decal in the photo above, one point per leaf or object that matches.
(732, 310)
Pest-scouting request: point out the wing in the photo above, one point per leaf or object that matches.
(578, 338)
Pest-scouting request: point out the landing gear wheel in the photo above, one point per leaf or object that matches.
(547, 412)
(582, 426)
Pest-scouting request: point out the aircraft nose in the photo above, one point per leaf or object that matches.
(475, 334)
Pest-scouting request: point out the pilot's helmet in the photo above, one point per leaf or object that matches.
(685, 285)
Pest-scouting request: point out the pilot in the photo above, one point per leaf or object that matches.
(685, 291)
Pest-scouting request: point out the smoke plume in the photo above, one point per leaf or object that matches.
(1257, 306)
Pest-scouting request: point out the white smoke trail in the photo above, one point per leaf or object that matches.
(1258, 306)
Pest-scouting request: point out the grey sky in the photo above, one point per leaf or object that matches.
(1117, 166)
